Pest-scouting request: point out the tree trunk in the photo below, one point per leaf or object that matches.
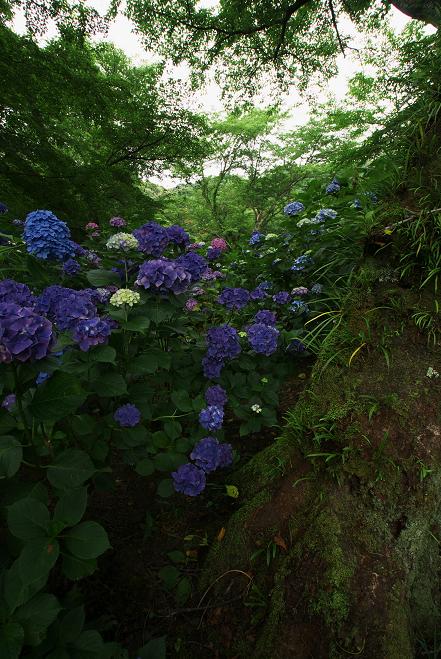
(428, 11)
(350, 538)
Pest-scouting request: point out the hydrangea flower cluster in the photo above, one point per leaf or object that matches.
(122, 241)
(3, 208)
(212, 275)
(266, 317)
(296, 346)
(326, 214)
(210, 455)
(91, 332)
(92, 226)
(177, 235)
(65, 306)
(234, 298)
(299, 307)
(258, 294)
(198, 245)
(294, 208)
(71, 267)
(211, 418)
(47, 237)
(192, 305)
(41, 377)
(153, 239)
(163, 275)
(282, 297)
(127, 416)
(8, 402)
(316, 289)
(219, 243)
(117, 222)
(125, 296)
(24, 334)
(222, 344)
(213, 253)
(300, 290)
(216, 395)
(263, 338)
(93, 258)
(13, 291)
(333, 187)
(256, 238)
(301, 262)
(193, 263)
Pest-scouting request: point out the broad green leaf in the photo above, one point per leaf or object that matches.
(28, 518)
(58, 397)
(137, 324)
(100, 278)
(11, 455)
(89, 641)
(11, 640)
(154, 649)
(70, 469)
(173, 429)
(165, 488)
(71, 506)
(104, 354)
(145, 467)
(182, 591)
(76, 568)
(37, 559)
(109, 385)
(87, 540)
(71, 625)
(36, 615)
(145, 363)
(182, 400)
(169, 575)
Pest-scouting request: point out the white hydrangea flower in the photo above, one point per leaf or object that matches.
(125, 296)
(242, 334)
(256, 408)
(123, 241)
(431, 373)
(271, 235)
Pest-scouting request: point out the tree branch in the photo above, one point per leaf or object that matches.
(334, 22)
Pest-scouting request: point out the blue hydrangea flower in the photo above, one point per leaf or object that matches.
(152, 238)
(372, 197)
(117, 222)
(8, 402)
(211, 418)
(3, 208)
(13, 291)
(258, 294)
(325, 214)
(163, 275)
(177, 235)
(222, 344)
(282, 297)
(216, 395)
(47, 237)
(296, 346)
(297, 306)
(91, 332)
(357, 204)
(127, 416)
(266, 317)
(213, 253)
(263, 338)
(193, 263)
(71, 267)
(316, 289)
(234, 298)
(256, 237)
(301, 262)
(24, 335)
(65, 306)
(333, 187)
(42, 377)
(294, 208)
(189, 479)
(210, 455)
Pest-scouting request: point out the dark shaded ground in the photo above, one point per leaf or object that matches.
(127, 597)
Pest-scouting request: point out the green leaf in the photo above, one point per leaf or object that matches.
(104, 354)
(109, 385)
(100, 278)
(182, 400)
(169, 575)
(58, 397)
(70, 469)
(11, 455)
(154, 649)
(144, 363)
(87, 540)
(76, 568)
(177, 556)
(165, 488)
(71, 507)
(145, 467)
(28, 518)
(137, 324)
(89, 641)
(36, 615)
(37, 559)
(11, 640)
(163, 462)
(173, 429)
(15, 591)
(71, 625)
(183, 591)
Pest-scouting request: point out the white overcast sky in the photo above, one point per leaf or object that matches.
(122, 34)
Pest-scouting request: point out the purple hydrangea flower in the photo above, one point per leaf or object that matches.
(9, 402)
(93, 258)
(234, 298)
(13, 291)
(42, 377)
(282, 297)
(189, 479)
(219, 243)
(266, 317)
(117, 222)
(193, 263)
(333, 187)
(213, 253)
(210, 275)
(300, 290)
(24, 335)
(18, 223)
(258, 294)
(177, 235)
(127, 415)
(263, 338)
(152, 238)
(222, 344)
(163, 275)
(47, 237)
(65, 306)
(91, 332)
(296, 346)
(209, 455)
(301, 262)
(191, 304)
(197, 290)
(196, 246)
(211, 418)
(216, 395)
(294, 208)
(3, 208)
(71, 267)
(256, 237)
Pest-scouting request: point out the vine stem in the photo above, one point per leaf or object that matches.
(20, 403)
